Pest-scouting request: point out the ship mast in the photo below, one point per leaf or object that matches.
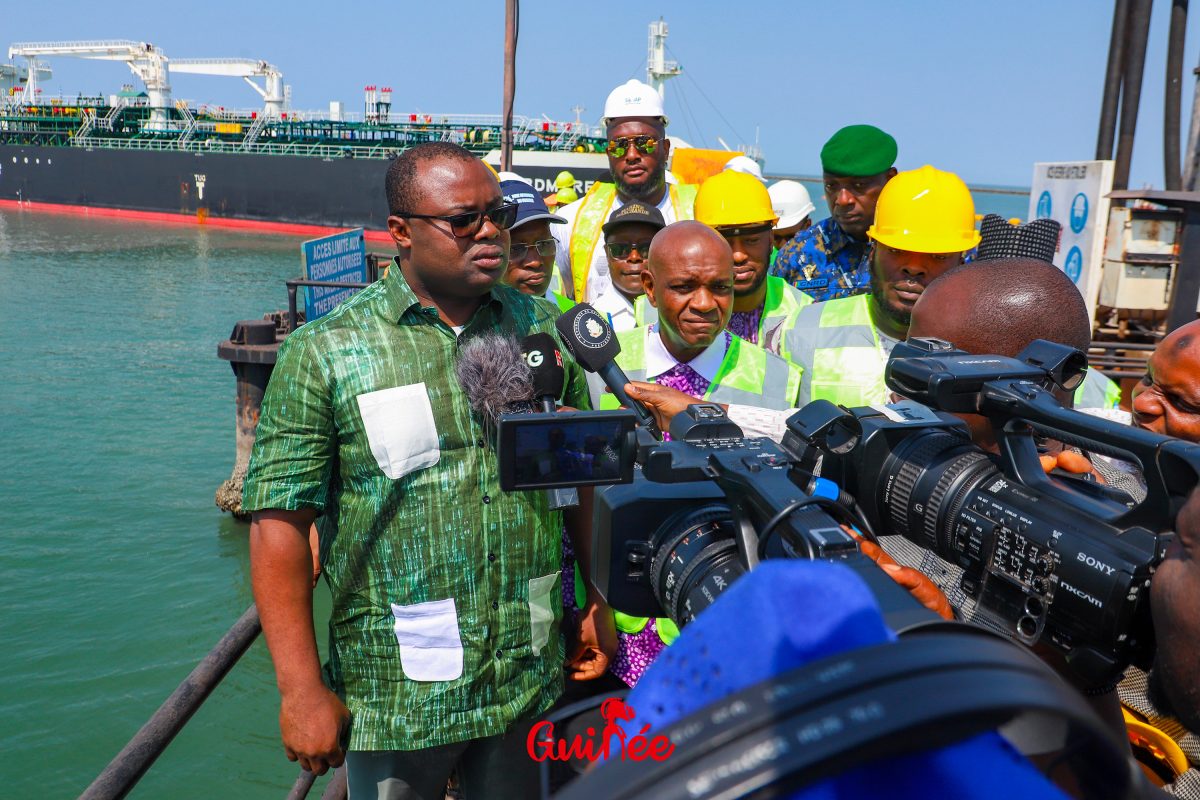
(658, 68)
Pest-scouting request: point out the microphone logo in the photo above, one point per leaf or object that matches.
(534, 358)
(590, 331)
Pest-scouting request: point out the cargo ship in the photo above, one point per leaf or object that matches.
(140, 153)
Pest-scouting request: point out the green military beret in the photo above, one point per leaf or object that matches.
(858, 150)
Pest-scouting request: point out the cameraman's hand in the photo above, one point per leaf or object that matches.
(661, 401)
(916, 582)
(596, 642)
(1070, 461)
(312, 723)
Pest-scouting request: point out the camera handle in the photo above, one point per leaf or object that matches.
(1171, 467)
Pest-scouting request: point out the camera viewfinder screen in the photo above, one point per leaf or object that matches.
(569, 452)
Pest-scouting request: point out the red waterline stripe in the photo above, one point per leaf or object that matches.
(254, 226)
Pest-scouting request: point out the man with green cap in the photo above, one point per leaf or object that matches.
(830, 259)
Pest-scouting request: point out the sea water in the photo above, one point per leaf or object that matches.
(118, 573)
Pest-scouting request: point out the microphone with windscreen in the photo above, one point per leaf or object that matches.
(591, 340)
(494, 373)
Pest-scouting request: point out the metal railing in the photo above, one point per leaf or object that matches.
(129, 766)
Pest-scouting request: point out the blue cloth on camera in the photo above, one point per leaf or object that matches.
(804, 611)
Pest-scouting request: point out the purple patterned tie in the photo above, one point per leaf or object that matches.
(684, 379)
(745, 324)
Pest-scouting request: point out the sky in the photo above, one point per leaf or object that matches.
(981, 89)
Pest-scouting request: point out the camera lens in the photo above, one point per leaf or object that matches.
(925, 483)
(694, 560)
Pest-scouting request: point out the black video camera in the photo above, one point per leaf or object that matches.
(703, 509)
(1055, 561)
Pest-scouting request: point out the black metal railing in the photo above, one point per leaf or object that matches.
(131, 764)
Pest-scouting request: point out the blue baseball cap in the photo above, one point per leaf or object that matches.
(530, 205)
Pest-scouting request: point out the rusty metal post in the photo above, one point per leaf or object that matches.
(1137, 35)
(251, 351)
(129, 765)
(511, 28)
(1172, 96)
(1112, 82)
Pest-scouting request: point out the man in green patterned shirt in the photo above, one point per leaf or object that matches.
(444, 637)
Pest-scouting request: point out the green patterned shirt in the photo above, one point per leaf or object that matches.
(446, 596)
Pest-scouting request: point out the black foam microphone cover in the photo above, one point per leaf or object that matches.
(544, 360)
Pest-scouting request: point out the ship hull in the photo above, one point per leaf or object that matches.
(295, 190)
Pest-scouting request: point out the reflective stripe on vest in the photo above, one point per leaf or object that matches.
(1097, 391)
(781, 307)
(836, 345)
(593, 213)
(748, 375)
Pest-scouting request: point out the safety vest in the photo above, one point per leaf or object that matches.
(593, 213)
(781, 306)
(563, 302)
(837, 346)
(748, 376)
(1098, 391)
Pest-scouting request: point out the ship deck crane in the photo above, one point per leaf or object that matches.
(272, 91)
(144, 60)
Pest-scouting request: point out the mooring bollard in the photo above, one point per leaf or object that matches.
(251, 351)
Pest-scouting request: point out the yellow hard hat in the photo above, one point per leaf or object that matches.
(734, 198)
(567, 195)
(564, 180)
(925, 211)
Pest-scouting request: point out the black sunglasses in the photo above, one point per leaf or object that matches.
(618, 147)
(545, 249)
(469, 222)
(622, 250)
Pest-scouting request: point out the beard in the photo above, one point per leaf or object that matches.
(642, 191)
(901, 316)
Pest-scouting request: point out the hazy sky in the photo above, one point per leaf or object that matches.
(984, 89)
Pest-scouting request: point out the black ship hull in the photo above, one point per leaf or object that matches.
(330, 193)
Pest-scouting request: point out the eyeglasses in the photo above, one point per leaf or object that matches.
(545, 249)
(469, 222)
(618, 147)
(622, 250)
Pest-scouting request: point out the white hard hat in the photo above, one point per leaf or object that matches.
(791, 203)
(747, 165)
(633, 99)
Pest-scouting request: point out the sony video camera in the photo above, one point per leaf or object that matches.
(1060, 561)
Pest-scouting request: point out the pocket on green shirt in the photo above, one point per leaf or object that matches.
(400, 429)
(541, 610)
(430, 646)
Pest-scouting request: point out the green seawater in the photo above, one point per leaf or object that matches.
(118, 573)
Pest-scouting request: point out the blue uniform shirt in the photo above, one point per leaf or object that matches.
(825, 262)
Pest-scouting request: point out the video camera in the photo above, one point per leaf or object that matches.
(706, 507)
(1061, 562)
(1057, 562)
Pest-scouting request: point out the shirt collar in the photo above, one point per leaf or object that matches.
(402, 299)
(659, 360)
(838, 239)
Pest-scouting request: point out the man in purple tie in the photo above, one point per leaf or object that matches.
(689, 280)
